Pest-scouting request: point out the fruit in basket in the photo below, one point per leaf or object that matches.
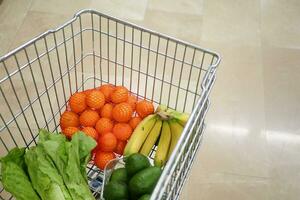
(106, 110)
(89, 118)
(144, 181)
(145, 197)
(122, 131)
(95, 99)
(102, 158)
(119, 95)
(151, 138)
(90, 131)
(77, 102)
(107, 90)
(132, 100)
(107, 142)
(115, 191)
(122, 112)
(144, 108)
(70, 131)
(69, 118)
(139, 135)
(120, 147)
(119, 175)
(134, 122)
(176, 130)
(135, 163)
(162, 150)
(104, 125)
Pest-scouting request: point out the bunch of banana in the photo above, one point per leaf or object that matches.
(165, 127)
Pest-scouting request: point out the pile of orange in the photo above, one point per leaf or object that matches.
(109, 114)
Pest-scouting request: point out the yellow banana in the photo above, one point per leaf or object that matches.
(161, 154)
(161, 108)
(176, 130)
(181, 117)
(151, 138)
(140, 134)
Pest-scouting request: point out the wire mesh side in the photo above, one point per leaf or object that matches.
(37, 79)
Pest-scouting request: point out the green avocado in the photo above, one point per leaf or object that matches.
(144, 181)
(136, 162)
(115, 191)
(119, 175)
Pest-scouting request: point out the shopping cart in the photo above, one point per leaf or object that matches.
(37, 78)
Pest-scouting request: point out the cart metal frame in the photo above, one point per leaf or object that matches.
(92, 48)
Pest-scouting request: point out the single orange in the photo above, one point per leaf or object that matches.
(90, 131)
(95, 99)
(69, 118)
(70, 131)
(107, 142)
(89, 118)
(102, 158)
(144, 108)
(120, 147)
(77, 102)
(106, 111)
(107, 89)
(132, 101)
(119, 95)
(122, 131)
(122, 112)
(134, 122)
(88, 91)
(104, 125)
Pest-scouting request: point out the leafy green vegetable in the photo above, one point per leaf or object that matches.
(14, 176)
(44, 175)
(70, 159)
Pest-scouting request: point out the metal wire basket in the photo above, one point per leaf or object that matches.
(37, 79)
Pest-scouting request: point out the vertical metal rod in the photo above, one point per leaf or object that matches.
(156, 59)
(198, 79)
(44, 81)
(81, 53)
(100, 49)
(140, 60)
(108, 64)
(172, 74)
(131, 64)
(147, 70)
(116, 54)
(189, 80)
(93, 46)
(74, 57)
(59, 66)
(180, 77)
(123, 75)
(164, 70)
(52, 76)
(28, 98)
(67, 62)
(36, 89)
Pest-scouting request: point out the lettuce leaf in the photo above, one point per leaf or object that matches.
(44, 176)
(14, 176)
(70, 159)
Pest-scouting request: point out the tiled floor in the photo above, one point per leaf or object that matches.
(251, 148)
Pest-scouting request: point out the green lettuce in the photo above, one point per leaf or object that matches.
(14, 176)
(44, 175)
(70, 159)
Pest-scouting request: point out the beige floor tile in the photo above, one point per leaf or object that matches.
(231, 21)
(130, 10)
(194, 7)
(12, 14)
(66, 7)
(285, 30)
(182, 26)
